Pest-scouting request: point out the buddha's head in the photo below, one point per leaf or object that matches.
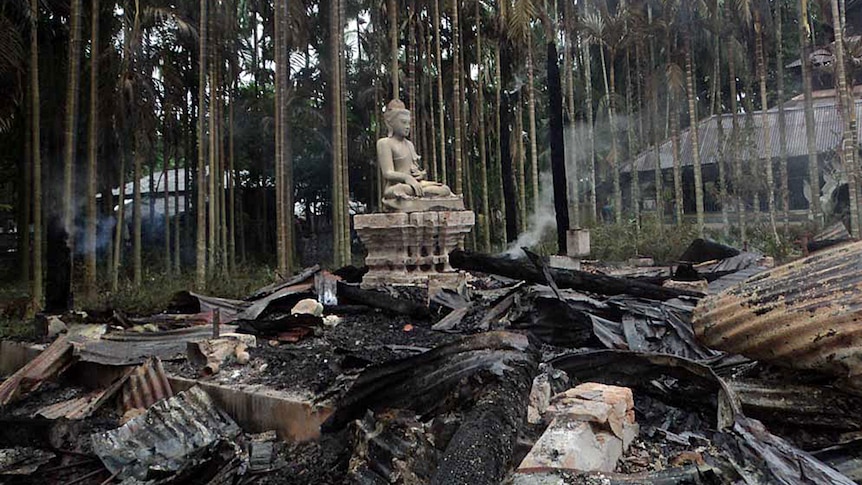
(397, 118)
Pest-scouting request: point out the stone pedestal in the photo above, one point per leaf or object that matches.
(411, 249)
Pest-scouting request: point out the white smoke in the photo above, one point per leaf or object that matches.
(541, 221)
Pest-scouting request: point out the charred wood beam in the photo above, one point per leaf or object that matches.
(577, 280)
(381, 300)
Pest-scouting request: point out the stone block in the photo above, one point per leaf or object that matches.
(564, 262)
(578, 243)
(308, 306)
(571, 444)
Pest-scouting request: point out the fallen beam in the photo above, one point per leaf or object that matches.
(377, 299)
(521, 269)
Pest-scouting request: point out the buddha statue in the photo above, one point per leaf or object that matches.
(405, 188)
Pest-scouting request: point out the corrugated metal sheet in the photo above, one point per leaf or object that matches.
(827, 134)
(146, 385)
(837, 231)
(165, 436)
(83, 406)
(127, 348)
(806, 314)
(50, 363)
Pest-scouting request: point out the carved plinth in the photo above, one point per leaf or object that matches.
(411, 249)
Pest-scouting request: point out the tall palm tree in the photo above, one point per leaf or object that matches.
(689, 14)
(201, 204)
(392, 17)
(814, 212)
(457, 105)
(441, 101)
(610, 29)
(92, 154)
(767, 140)
(73, 94)
(339, 209)
(483, 157)
(848, 149)
(36, 292)
(782, 117)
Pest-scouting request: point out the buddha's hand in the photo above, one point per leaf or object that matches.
(418, 174)
(417, 187)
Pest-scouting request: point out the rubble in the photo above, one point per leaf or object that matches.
(161, 440)
(556, 376)
(802, 315)
(591, 426)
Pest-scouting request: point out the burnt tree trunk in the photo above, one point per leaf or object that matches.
(558, 151)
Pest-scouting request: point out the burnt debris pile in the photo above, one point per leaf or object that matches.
(720, 369)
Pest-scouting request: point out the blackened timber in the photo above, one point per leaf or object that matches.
(558, 154)
(577, 280)
(381, 300)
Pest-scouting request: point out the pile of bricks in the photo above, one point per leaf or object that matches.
(591, 426)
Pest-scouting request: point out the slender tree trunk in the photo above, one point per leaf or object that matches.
(520, 149)
(734, 145)
(214, 152)
(393, 47)
(483, 156)
(558, 155)
(632, 146)
(166, 189)
(591, 137)
(120, 227)
(695, 142)
(767, 141)
(278, 41)
(571, 149)
(26, 194)
(610, 92)
(177, 237)
(92, 156)
(36, 292)
(531, 117)
(200, 206)
(679, 201)
(654, 131)
(345, 150)
(411, 69)
(440, 99)
(137, 267)
(456, 109)
(782, 128)
(847, 142)
(73, 94)
(814, 211)
(231, 178)
(498, 158)
(335, 90)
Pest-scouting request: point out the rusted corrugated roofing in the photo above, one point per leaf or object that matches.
(827, 135)
(805, 314)
(146, 385)
(50, 363)
(83, 406)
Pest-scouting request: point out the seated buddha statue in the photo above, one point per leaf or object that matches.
(405, 187)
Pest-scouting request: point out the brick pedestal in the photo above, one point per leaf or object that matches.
(412, 248)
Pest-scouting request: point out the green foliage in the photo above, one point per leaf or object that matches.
(619, 242)
(159, 287)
